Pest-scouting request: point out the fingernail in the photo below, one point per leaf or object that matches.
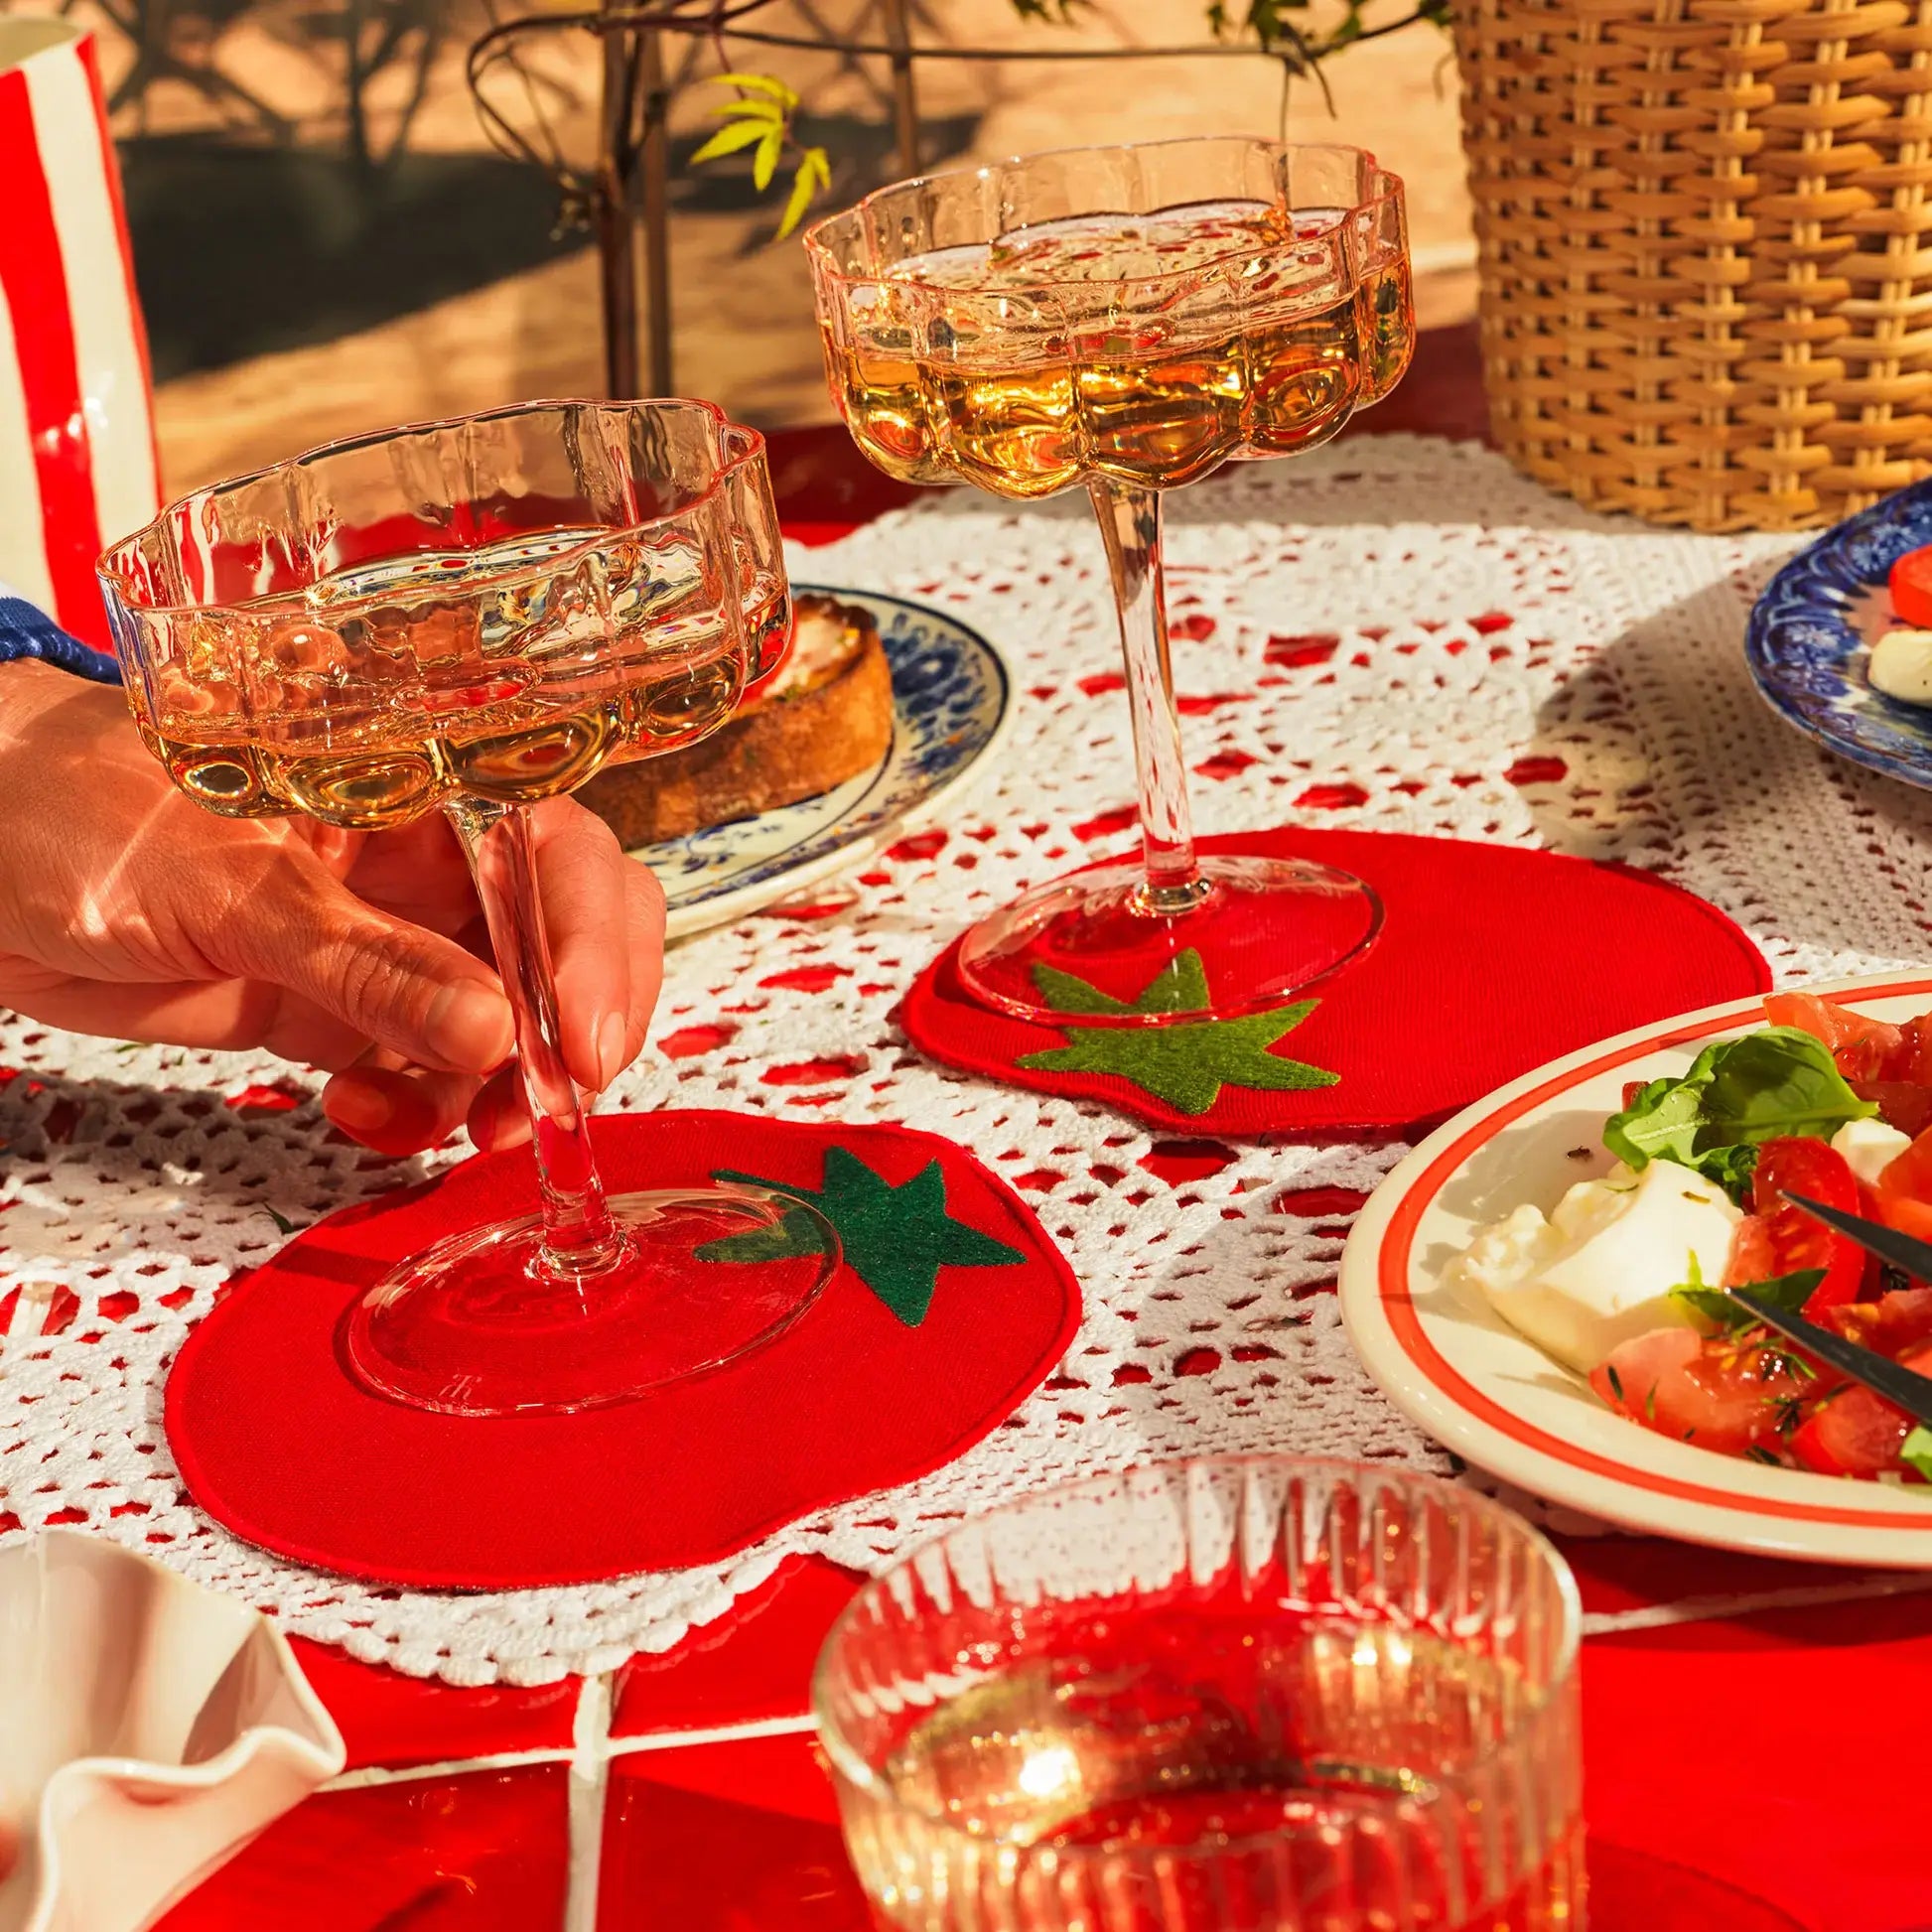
(512, 1130)
(358, 1110)
(469, 1028)
(610, 1049)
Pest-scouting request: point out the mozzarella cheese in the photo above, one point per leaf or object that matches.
(1601, 1267)
(1869, 1146)
(1902, 666)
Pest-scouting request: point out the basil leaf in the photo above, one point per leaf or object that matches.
(1731, 1168)
(1917, 1451)
(1662, 1122)
(1788, 1294)
(1774, 1083)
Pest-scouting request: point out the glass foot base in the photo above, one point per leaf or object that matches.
(476, 1326)
(1258, 931)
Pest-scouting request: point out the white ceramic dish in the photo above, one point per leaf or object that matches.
(952, 707)
(1450, 1363)
(149, 1728)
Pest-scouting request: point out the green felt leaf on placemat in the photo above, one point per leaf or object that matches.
(895, 1239)
(1179, 987)
(1187, 1064)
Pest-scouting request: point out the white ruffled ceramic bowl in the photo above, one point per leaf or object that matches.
(149, 1728)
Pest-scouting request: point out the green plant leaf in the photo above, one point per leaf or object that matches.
(814, 173)
(1917, 1451)
(1787, 1293)
(1731, 1168)
(728, 140)
(761, 84)
(1774, 1083)
(1661, 1123)
(766, 111)
(765, 164)
(1264, 19)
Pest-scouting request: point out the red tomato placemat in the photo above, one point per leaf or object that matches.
(897, 1369)
(1491, 960)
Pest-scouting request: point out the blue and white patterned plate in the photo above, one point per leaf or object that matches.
(1812, 630)
(952, 704)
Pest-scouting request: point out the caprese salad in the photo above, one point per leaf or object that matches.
(1900, 661)
(1621, 1280)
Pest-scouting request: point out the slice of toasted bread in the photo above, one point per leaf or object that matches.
(825, 718)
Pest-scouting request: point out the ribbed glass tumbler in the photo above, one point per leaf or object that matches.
(1240, 1695)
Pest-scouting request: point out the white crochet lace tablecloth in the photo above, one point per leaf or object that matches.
(132, 1189)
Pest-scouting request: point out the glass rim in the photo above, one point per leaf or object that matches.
(111, 574)
(851, 1764)
(825, 268)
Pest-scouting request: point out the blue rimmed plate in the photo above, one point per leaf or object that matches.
(1811, 634)
(952, 705)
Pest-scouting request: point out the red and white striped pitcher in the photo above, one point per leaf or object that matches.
(77, 463)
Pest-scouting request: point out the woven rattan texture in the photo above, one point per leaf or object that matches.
(1706, 249)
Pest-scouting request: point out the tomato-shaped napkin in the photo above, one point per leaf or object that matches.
(1491, 960)
(952, 1304)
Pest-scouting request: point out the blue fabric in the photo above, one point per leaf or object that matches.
(26, 631)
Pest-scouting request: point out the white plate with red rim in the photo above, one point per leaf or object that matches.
(1456, 1369)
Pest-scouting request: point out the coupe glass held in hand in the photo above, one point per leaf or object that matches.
(1262, 1694)
(1130, 317)
(475, 616)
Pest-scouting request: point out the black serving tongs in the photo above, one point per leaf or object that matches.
(1905, 1387)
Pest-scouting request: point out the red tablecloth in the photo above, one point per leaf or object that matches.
(1750, 1724)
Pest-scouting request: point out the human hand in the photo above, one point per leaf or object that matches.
(126, 909)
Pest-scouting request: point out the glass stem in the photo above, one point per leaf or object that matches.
(579, 1235)
(1130, 521)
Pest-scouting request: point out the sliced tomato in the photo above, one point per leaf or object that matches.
(1902, 1213)
(1910, 584)
(1863, 1049)
(1752, 1257)
(1902, 1198)
(1854, 1433)
(1716, 1391)
(1890, 1325)
(1914, 1060)
(1902, 1104)
(1910, 1174)
(1776, 1238)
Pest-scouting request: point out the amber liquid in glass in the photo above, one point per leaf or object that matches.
(1210, 1735)
(998, 363)
(511, 672)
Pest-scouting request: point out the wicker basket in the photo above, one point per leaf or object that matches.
(1706, 243)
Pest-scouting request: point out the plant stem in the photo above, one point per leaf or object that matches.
(1130, 521)
(579, 1236)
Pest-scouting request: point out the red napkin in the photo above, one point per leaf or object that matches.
(865, 1391)
(1491, 960)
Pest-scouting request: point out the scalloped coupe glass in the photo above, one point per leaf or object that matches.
(471, 617)
(1129, 318)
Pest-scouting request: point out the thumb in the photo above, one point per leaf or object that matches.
(391, 981)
